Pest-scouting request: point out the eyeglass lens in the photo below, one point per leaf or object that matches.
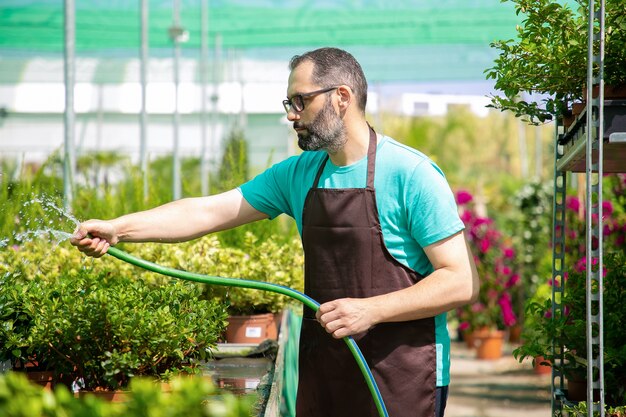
(297, 101)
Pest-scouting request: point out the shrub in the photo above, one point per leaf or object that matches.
(189, 397)
(96, 324)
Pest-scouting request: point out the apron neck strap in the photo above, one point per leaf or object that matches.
(371, 158)
(371, 161)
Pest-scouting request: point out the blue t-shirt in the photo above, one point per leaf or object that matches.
(414, 201)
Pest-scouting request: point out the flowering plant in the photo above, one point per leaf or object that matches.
(568, 328)
(495, 260)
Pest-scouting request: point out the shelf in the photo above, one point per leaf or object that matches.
(614, 145)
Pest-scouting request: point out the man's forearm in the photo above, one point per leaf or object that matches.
(186, 219)
(437, 293)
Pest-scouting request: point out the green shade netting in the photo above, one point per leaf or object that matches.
(441, 40)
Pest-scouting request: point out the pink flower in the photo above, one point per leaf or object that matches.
(508, 316)
(509, 253)
(607, 208)
(464, 325)
(512, 281)
(506, 270)
(482, 220)
(485, 244)
(572, 203)
(466, 216)
(477, 307)
(463, 197)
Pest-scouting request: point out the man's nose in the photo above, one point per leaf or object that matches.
(292, 115)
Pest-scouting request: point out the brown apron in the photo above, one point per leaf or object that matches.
(345, 256)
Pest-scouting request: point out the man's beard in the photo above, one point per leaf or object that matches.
(326, 132)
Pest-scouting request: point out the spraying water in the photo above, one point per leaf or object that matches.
(49, 225)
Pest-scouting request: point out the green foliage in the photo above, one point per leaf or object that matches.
(100, 325)
(580, 410)
(189, 397)
(29, 203)
(111, 320)
(477, 153)
(531, 223)
(234, 168)
(549, 57)
(234, 171)
(268, 261)
(569, 329)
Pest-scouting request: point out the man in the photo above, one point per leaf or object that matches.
(384, 247)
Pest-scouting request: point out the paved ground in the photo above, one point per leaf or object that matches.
(495, 388)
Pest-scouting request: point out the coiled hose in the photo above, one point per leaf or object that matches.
(264, 286)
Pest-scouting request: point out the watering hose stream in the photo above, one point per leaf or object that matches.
(265, 286)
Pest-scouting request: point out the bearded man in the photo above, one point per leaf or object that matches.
(385, 253)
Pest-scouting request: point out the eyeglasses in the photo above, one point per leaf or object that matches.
(297, 101)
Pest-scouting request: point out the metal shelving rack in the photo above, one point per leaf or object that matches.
(581, 148)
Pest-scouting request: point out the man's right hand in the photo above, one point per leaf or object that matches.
(94, 237)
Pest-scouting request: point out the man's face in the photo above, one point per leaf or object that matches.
(325, 132)
(318, 125)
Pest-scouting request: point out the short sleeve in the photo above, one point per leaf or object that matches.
(267, 192)
(433, 214)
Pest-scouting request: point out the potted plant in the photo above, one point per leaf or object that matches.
(539, 330)
(256, 312)
(569, 329)
(97, 328)
(493, 312)
(16, 316)
(548, 59)
(255, 315)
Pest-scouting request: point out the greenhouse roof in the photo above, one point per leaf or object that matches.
(395, 40)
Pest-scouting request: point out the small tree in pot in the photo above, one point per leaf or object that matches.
(549, 58)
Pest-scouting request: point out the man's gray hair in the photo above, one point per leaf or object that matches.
(333, 66)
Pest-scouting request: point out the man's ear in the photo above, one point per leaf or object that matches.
(345, 97)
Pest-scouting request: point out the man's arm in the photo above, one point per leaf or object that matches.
(454, 282)
(177, 221)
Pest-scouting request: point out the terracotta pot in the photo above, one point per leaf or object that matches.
(577, 389)
(610, 92)
(515, 334)
(251, 329)
(467, 336)
(43, 378)
(116, 396)
(539, 367)
(489, 343)
(567, 120)
(578, 108)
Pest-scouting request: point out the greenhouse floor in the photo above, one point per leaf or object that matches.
(495, 388)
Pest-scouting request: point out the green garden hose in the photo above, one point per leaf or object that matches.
(264, 286)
